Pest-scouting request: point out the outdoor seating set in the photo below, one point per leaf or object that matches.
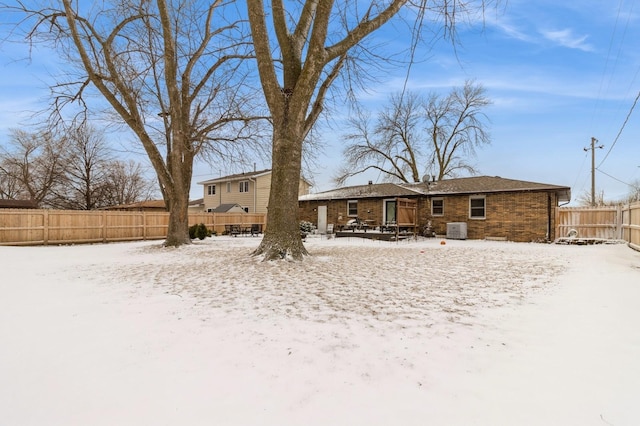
(358, 224)
(235, 230)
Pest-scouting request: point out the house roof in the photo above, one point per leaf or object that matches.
(242, 176)
(18, 204)
(469, 185)
(197, 202)
(224, 208)
(237, 176)
(488, 184)
(379, 190)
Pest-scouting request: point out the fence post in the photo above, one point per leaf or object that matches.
(619, 228)
(104, 226)
(45, 226)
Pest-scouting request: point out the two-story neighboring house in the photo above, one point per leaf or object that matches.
(250, 190)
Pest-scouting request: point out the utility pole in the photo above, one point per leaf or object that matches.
(593, 168)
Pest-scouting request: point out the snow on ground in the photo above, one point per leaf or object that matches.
(361, 333)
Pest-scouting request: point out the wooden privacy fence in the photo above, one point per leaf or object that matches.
(607, 223)
(631, 225)
(37, 227)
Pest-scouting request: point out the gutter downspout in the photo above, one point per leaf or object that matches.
(549, 217)
(549, 214)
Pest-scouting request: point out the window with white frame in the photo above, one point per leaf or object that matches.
(477, 207)
(244, 186)
(228, 186)
(352, 208)
(437, 206)
(211, 190)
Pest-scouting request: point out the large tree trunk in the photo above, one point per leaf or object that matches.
(282, 235)
(178, 232)
(180, 163)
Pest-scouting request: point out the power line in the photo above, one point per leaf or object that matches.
(615, 178)
(621, 129)
(606, 63)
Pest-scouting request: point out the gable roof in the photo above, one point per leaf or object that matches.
(243, 176)
(489, 184)
(378, 190)
(224, 208)
(237, 176)
(469, 185)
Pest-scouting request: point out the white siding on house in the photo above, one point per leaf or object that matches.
(264, 190)
(255, 200)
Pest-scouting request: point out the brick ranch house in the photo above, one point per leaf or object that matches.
(491, 207)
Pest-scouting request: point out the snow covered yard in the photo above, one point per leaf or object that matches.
(360, 333)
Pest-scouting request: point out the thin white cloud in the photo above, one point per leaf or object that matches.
(513, 32)
(566, 38)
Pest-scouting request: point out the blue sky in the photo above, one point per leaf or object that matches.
(558, 74)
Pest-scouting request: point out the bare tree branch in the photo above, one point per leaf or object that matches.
(399, 147)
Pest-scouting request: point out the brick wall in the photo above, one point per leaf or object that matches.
(368, 209)
(514, 216)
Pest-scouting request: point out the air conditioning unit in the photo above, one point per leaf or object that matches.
(457, 230)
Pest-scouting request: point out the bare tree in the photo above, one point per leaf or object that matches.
(393, 145)
(32, 166)
(87, 162)
(412, 137)
(301, 49)
(456, 126)
(634, 191)
(76, 171)
(93, 177)
(171, 72)
(10, 187)
(126, 183)
(584, 199)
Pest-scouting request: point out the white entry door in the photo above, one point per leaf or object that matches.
(322, 219)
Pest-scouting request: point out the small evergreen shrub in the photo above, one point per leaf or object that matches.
(192, 231)
(306, 227)
(199, 231)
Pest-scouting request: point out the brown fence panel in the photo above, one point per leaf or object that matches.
(123, 226)
(23, 226)
(589, 222)
(156, 225)
(631, 225)
(406, 212)
(35, 227)
(74, 227)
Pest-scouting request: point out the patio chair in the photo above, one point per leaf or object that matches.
(256, 229)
